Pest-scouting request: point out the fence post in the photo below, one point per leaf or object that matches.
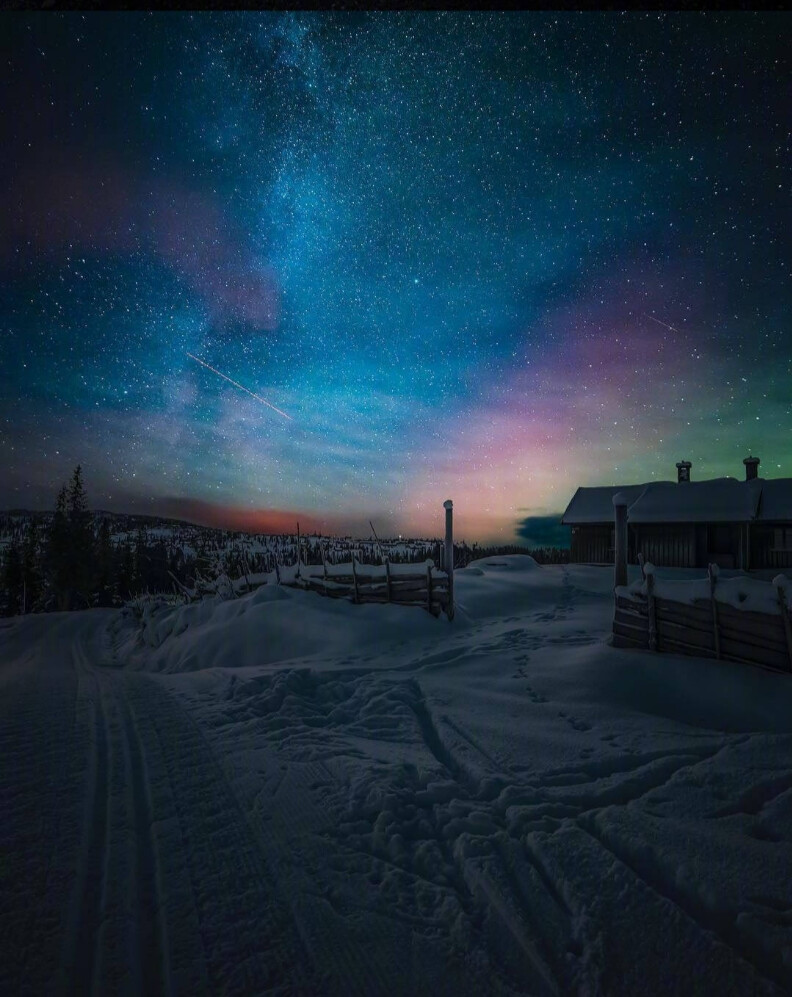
(387, 578)
(448, 505)
(277, 570)
(298, 551)
(651, 607)
(429, 586)
(712, 571)
(620, 554)
(354, 579)
(641, 563)
(780, 582)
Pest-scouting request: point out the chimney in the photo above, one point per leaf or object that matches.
(751, 467)
(683, 470)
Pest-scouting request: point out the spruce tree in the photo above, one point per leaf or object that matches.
(81, 543)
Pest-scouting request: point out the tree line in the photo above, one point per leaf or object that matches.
(72, 562)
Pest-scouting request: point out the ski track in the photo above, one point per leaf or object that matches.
(767, 966)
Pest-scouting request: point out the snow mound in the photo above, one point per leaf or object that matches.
(271, 625)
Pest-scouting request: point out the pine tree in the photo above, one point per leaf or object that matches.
(81, 543)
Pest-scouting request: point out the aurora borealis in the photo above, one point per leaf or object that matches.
(483, 256)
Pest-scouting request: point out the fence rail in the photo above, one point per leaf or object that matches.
(708, 627)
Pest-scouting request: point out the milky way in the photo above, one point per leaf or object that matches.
(472, 255)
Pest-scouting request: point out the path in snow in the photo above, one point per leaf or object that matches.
(130, 865)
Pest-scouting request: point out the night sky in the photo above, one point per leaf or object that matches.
(482, 256)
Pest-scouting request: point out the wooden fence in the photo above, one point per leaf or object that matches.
(404, 585)
(705, 627)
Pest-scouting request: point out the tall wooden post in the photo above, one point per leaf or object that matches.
(712, 572)
(448, 505)
(651, 609)
(781, 585)
(620, 554)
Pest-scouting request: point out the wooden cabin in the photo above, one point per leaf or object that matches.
(688, 524)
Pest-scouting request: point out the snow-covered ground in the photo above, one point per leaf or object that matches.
(282, 793)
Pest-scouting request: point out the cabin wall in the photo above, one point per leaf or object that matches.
(771, 545)
(672, 545)
(592, 544)
(688, 545)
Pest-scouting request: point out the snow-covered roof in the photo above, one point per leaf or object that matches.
(719, 500)
(595, 505)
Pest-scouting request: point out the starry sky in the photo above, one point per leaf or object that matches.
(469, 255)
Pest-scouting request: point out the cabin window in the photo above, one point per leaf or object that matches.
(720, 540)
(782, 538)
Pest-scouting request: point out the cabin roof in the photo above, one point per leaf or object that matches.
(719, 500)
(775, 504)
(595, 505)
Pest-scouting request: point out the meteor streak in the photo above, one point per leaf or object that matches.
(665, 325)
(240, 386)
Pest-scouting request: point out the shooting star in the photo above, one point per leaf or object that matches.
(240, 386)
(665, 325)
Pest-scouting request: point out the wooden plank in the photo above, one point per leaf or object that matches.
(631, 620)
(673, 647)
(761, 656)
(684, 635)
(619, 640)
(773, 640)
(770, 640)
(698, 615)
(682, 640)
(685, 624)
(670, 646)
(741, 616)
(420, 582)
(638, 603)
(640, 636)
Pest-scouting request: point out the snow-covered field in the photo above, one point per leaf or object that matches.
(291, 794)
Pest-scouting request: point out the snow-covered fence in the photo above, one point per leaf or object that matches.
(738, 619)
(403, 584)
